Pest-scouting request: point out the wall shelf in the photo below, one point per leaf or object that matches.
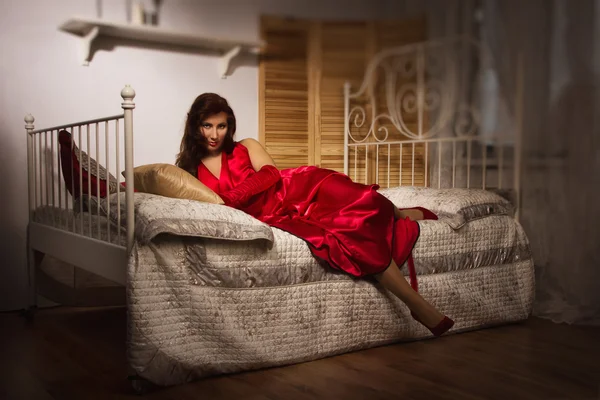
(90, 29)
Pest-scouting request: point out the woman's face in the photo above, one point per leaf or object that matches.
(214, 129)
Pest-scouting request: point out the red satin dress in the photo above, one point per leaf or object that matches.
(349, 225)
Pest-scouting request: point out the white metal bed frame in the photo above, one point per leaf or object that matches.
(98, 256)
(109, 260)
(412, 90)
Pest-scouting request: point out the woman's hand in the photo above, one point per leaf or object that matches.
(257, 183)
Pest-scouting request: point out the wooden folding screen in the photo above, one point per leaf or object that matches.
(301, 102)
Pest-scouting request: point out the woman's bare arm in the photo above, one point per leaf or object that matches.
(258, 155)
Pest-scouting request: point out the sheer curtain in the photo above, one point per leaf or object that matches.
(560, 44)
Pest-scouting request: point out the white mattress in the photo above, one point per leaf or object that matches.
(201, 307)
(489, 241)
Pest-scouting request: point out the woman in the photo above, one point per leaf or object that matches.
(349, 225)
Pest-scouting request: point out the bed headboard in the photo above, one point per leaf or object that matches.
(432, 114)
(101, 147)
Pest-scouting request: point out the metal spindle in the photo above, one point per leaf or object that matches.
(439, 164)
(426, 162)
(484, 160)
(54, 211)
(80, 182)
(39, 183)
(98, 178)
(453, 164)
(89, 168)
(72, 203)
(389, 161)
(500, 164)
(377, 164)
(413, 165)
(118, 181)
(401, 155)
(468, 163)
(41, 166)
(346, 127)
(107, 152)
(41, 169)
(355, 163)
(366, 163)
(59, 178)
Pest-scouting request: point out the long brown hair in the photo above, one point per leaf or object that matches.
(193, 146)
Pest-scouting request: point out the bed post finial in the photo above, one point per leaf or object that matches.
(128, 94)
(29, 120)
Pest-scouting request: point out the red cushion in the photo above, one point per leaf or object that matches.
(71, 167)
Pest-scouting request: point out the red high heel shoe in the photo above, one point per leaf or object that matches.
(438, 330)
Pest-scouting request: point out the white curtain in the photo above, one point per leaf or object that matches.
(560, 44)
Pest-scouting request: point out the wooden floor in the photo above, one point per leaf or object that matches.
(69, 353)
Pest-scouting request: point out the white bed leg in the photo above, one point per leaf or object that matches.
(31, 288)
(34, 260)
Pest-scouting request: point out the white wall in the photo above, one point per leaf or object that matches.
(40, 74)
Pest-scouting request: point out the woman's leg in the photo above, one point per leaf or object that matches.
(394, 281)
(412, 213)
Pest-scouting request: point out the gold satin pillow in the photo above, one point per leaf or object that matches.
(171, 181)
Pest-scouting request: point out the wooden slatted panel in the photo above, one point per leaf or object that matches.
(302, 74)
(343, 48)
(283, 92)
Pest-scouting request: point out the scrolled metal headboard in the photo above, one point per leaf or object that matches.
(433, 96)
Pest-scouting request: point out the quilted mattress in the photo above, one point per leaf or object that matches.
(199, 307)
